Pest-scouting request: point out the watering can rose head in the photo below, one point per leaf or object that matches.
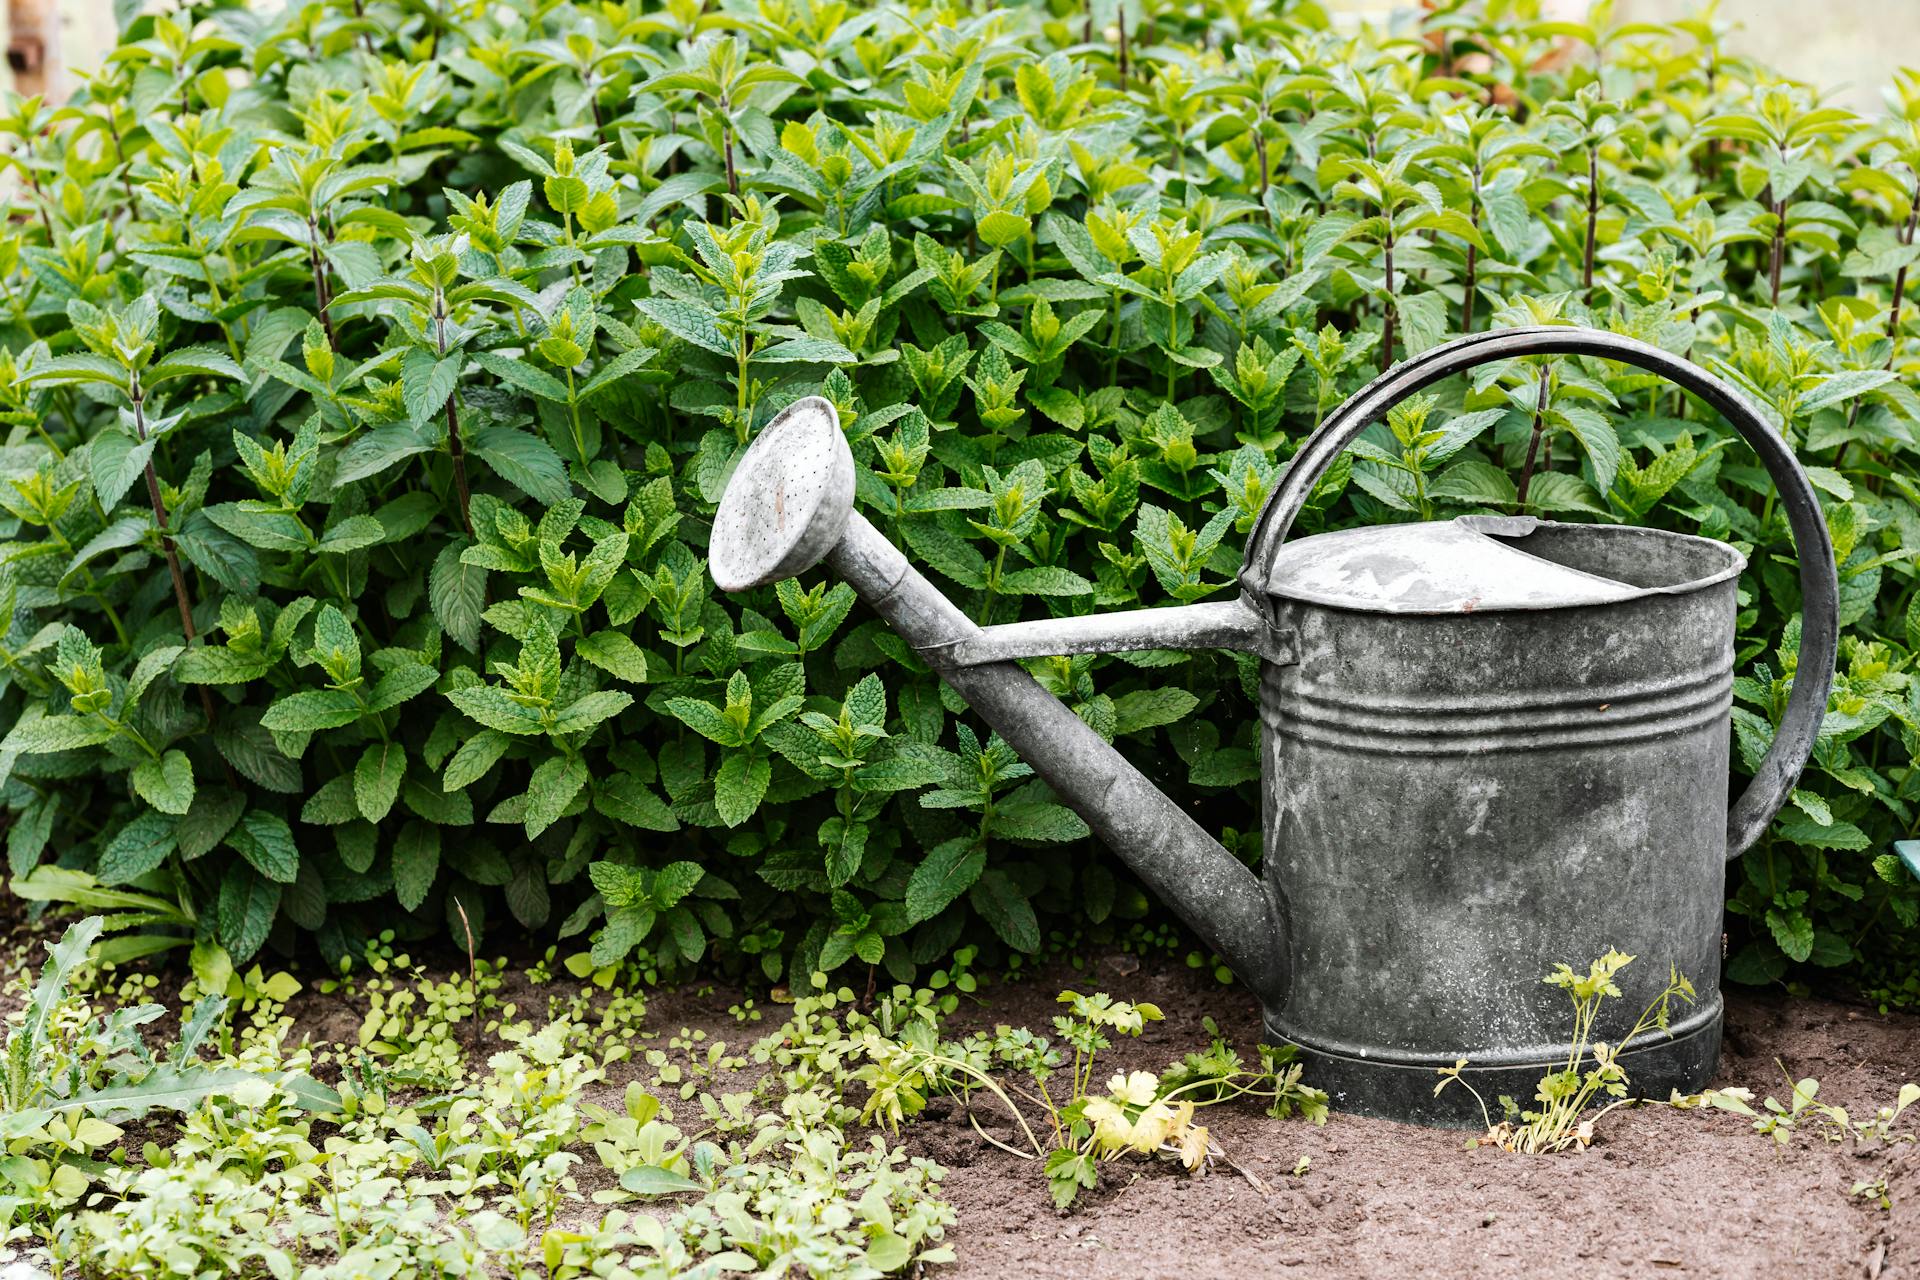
(1488, 742)
(788, 501)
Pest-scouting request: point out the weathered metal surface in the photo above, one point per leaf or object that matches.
(1454, 802)
(1819, 581)
(1490, 744)
(787, 502)
(1459, 566)
(1218, 897)
(1226, 624)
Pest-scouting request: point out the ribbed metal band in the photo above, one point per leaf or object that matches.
(1545, 1055)
(1480, 725)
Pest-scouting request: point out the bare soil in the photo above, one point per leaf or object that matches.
(1660, 1193)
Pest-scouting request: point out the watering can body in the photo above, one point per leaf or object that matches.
(1488, 745)
(1504, 744)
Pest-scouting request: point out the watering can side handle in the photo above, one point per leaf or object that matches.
(1773, 781)
(1227, 624)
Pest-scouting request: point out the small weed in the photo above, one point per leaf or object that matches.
(1138, 1112)
(1564, 1095)
(1803, 1112)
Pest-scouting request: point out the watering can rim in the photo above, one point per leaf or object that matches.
(1576, 588)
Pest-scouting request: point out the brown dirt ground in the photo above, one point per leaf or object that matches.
(1660, 1193)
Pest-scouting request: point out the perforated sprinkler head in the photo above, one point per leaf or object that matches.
(788, 501)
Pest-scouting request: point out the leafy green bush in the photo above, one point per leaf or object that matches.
(372, 371)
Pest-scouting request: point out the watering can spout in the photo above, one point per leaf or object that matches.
(789, 506)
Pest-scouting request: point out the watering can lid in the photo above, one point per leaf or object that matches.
(1463, 565)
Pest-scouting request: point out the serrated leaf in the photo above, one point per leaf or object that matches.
(626, 800)
(56, 733)
(686, 322)
(312, 710)
(332, 804)
(214, 811)
(675, 881)
(457, 593)
(266, 842)
(475, 757)
(551, 789)
(615, 652)
(218, 554)
(1597, 438)
(402, 684)
(1837, 388)
(942, 876)
(585, 712)
(426, 382)
(1792, 932)
(1045, 580)
(166, 783)
(138, 848)
(1001, 905)
(1804, 830)
(494, 709)
(416, 863)
(376, 452)
(115, 460)
(248, 903)
(739, 786)
(267, 530)
(805, 350)
(1560, 491)
(376, 779)
(525, 461)
(1151, 708)
(519, 373)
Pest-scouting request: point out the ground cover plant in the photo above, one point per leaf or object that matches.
(371, 372)
(1142, 1113)
(547, 1120)
(467, 1134)
(443, 1165)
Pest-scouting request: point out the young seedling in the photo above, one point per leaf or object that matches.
(1138, 1113)
(1563, 1097)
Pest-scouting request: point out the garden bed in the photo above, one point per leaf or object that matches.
(1661, 1192)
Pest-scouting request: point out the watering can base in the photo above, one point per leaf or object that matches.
(1403, 1091)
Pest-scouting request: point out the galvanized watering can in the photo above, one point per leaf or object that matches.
(1490, 744)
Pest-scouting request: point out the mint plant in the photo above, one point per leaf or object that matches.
(370, 374)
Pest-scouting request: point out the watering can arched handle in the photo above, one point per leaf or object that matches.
(1819, 581)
